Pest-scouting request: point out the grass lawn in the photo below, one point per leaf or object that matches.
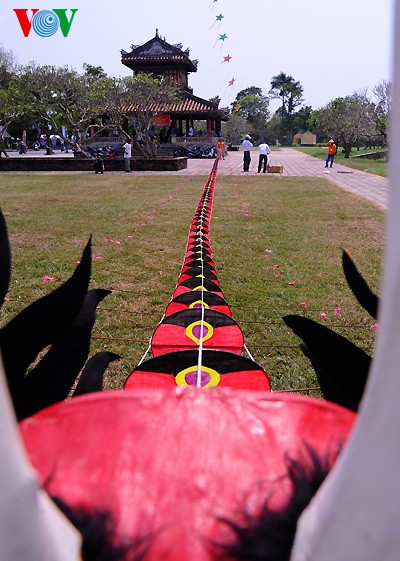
(260, 228)
(378, 167)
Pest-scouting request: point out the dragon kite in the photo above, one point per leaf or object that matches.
(196, 458)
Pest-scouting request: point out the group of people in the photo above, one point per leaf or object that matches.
(264, 150)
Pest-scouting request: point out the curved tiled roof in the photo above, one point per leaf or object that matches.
(189, 105)
(157, 50)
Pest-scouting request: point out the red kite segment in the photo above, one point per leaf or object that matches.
(197, 343)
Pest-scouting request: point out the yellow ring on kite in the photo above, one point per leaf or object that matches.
(200, 287)
(192, 336)
(203, 304)
(215, 377)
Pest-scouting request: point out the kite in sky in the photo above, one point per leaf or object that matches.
(227, 58)
(230, 84)
(219, 19)
(221, 38)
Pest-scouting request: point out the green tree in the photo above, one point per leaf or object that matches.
(60, 96)
(135, 100)
(253, 106)
(8, 66)
(14, 104)
(302, 121)
(346, 119)
(95, 72)
(381, 107)
(290, 91)
(233, 129)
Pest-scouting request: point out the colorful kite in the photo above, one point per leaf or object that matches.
(217, 19)
(222, 39)
(173, 465)
(197, 343)
(227, 58)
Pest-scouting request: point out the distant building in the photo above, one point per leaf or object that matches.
(305, 139)
(159, 58)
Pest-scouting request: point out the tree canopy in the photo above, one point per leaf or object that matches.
(252, 106)
(53, 99)
(346, 119)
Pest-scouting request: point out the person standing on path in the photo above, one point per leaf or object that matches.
(331, 152)
(247, 146)
(98, 164)
(221, 149)
(127, 155)
(263, 151)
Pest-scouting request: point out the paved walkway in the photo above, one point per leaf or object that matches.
(295, 164)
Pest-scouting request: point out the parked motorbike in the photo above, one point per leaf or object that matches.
(179, 152)
(204, 151)
(22, 148)
(208, 152)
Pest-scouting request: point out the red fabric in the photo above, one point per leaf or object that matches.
(171, 464)
(174, 307)
(168, 338)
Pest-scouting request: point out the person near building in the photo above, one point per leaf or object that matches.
(127, 154)
(247, 146)
(332, 149)
(263, 151)
(98, 164)
(221, 149)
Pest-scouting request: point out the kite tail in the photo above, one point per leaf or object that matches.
(198, 322)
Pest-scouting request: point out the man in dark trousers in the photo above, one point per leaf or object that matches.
(247, 146)
(263, 151)
(98, 164)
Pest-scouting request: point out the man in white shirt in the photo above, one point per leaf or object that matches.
(263, 151)
(247, 146)
(127, 155)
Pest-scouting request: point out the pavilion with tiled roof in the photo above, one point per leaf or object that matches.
(160, 58)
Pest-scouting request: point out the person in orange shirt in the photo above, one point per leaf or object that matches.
(221, 149)
(331, 152)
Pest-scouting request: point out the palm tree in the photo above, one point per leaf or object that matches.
(290, 91)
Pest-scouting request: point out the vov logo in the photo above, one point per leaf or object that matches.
(45, 23)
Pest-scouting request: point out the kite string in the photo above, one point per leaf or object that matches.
(248, 352)
(207, 194)
(200, 350)
(145, 353)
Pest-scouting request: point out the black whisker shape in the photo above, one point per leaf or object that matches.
(98, 540)
(91, 378)
(341, 367)
(359, 287)
(52, 378)
(5, 259)
(43, 321)
(269, 536)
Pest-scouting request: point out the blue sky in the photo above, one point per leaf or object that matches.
(332, 48)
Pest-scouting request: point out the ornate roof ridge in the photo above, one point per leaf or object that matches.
(156, 45)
